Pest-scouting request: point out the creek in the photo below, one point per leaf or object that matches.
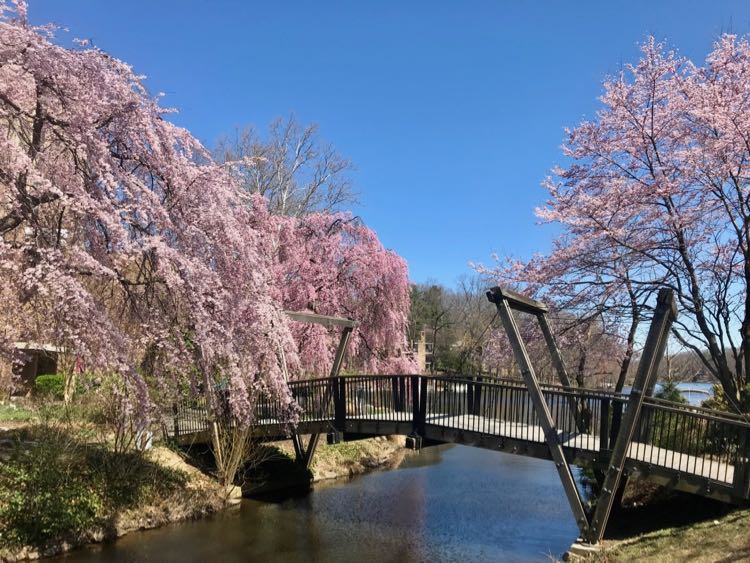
(445, 503)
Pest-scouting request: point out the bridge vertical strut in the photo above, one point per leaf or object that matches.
(656, 342)
(503, 300)
(305, 455)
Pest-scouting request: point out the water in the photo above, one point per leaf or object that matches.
(447, 503)
(694, 393)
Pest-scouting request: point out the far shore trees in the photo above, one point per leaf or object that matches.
(657, 193)
(465, 335)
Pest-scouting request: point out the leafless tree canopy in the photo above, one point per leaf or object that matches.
(291, 166)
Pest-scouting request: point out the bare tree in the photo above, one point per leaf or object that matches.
(431, 312)
(474, 316)
(291, 166)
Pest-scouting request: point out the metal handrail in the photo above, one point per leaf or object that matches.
(742, 420)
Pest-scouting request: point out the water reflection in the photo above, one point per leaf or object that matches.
(444, 504)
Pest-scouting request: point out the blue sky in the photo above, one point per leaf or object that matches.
(452, 111)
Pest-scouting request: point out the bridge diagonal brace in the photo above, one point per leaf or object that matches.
(554, 351)
(306, 455)
(540, 310)
(503, 301)
(656, 342)
(562, 373)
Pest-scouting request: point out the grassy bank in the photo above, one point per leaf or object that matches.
(347, 459)
(13, 415)
(64, 482)
(60, 488)
(725, 538)
(277, 471)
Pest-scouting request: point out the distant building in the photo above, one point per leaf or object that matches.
(422, 352)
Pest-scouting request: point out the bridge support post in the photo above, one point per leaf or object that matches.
(604, 425)
(616, 422)
(470, 395)
(175, 421)
(339, 404)
(474, 395)
(346, 334)
(741, 481)
(478, 396)
(422, 417)
(656, 342)
(402, 394)
(398, 387)
(502, 299)
(414, 383)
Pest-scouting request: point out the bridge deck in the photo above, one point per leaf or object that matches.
(648, 453)
(679, 462)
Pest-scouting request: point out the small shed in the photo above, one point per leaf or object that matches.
(40, 359)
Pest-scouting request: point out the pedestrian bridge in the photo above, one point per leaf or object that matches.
(688, 448)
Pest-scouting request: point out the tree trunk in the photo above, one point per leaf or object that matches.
(625, 365)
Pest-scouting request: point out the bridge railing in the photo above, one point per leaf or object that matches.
(586, 419)
(188, 417)
(378, 397)
(694, 440)
(315, 398)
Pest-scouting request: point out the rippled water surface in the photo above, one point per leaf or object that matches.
(447, 503)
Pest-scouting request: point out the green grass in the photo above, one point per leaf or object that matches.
(343, 452)
(13, 413)
(723, 539)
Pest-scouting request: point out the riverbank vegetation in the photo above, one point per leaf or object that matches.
(65, 480)
(61, 486)
(723, 538)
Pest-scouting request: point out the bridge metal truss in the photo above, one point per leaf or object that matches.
(506, 301)
(591, 525)
(689, 448)
(302, 453)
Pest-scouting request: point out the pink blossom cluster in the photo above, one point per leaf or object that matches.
(656, 193)
(125, 245)
(121, 242)
(332, 264)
